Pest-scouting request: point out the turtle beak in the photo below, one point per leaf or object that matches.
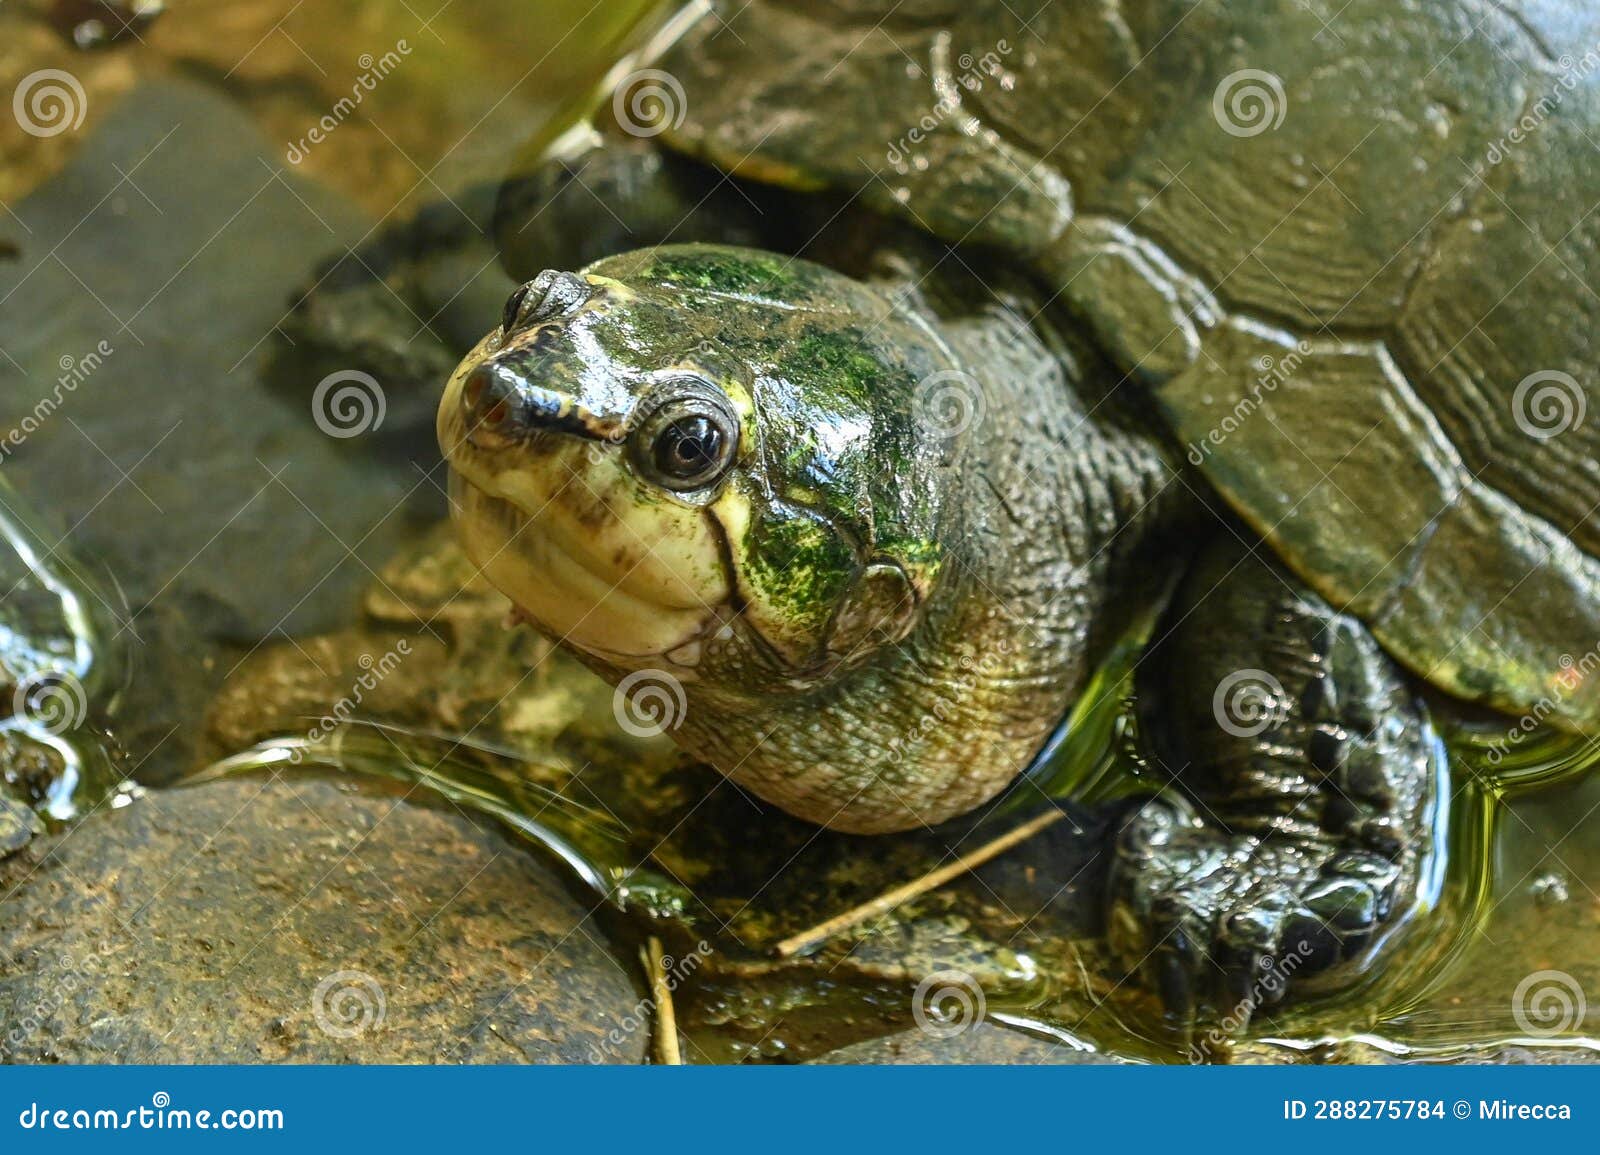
(501, 407)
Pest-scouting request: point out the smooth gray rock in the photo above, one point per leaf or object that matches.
(218, 507)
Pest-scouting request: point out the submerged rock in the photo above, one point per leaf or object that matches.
(981, 1043)
(302, 921)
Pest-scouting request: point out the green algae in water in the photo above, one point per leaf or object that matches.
(1533, 834)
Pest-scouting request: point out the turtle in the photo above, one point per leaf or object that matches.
(874, 357)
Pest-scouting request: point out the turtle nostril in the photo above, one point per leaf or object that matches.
(489, 401)
(472, 392)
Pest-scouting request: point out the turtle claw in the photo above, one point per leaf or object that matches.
(1232, 923)
(1178, 912)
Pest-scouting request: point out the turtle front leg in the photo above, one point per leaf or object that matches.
(1303, 801)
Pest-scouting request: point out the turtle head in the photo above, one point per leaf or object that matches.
(705, 460)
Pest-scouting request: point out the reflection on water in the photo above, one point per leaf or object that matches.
(370, 112)
(62, 668)
(1536, 917)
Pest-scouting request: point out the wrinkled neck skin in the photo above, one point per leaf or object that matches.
(1053, 505)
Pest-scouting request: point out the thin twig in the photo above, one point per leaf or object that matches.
(887, 901)
(667, 1053)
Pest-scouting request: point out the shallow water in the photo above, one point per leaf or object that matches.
(214, 570)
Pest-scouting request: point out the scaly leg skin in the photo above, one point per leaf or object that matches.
(1287, 849)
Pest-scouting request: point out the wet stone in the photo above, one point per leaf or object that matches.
(17, 826)
(300, 921)
(215, 502)
(978, 1044)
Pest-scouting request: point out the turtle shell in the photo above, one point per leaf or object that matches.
(1350, 249)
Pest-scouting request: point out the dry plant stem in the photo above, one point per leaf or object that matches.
(887, 901)
(666, 1040)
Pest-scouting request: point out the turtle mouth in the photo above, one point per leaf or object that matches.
(561, 527)
(570, 594)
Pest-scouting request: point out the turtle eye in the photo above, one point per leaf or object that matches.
(688, 450)
(548, 295)
(687, 441)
